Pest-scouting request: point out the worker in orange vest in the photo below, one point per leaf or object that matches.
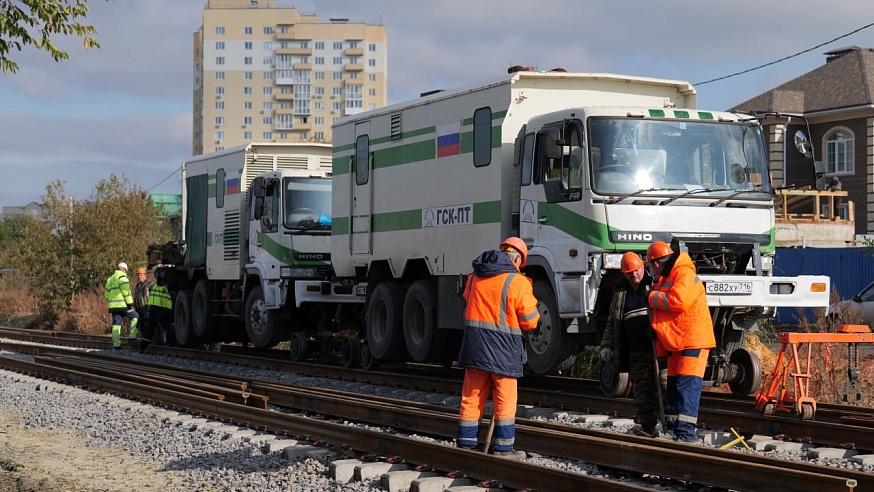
(500, 305)
(682, 323)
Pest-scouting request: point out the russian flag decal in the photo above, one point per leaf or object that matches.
(233, 186)
(448, 139)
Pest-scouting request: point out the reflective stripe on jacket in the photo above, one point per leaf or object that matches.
(117, 291)
(160, 296)
(680, 315)
(500, 304)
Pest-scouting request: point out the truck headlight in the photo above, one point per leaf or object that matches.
(297, 272)
(612, 261)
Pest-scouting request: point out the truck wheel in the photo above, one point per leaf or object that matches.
(298, 346)
(420, 322)
(350, 352)
(384, 321)
(614, 384)
(554, 349)
(748, 376)
(201, 301)
(182, 317)
(261, 329)
(368, 363)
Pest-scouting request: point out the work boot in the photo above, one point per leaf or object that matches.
(513, 454)
(643, 431)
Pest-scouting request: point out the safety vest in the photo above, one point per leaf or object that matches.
(160, 296)
(117, 291)
(680, 315)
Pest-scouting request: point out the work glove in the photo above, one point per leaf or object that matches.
(606, 354)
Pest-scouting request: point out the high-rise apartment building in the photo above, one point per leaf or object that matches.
(270, 74)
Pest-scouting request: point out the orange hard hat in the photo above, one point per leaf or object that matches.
(630, 262)
(518, 245)
(141, 270)
(658, 249)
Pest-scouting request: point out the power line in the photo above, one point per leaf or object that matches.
(165, 179)
(785, 57)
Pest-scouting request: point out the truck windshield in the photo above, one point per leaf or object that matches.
(307, 203)
(671, 157)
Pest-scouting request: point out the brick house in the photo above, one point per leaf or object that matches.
(837, 99)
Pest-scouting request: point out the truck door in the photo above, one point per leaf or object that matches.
(362, 191)
(530, 194)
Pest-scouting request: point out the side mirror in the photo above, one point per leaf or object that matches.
(553, 143)
(259, 188)
(803, 144)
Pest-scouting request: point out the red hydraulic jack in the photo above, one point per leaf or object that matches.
(774, 395)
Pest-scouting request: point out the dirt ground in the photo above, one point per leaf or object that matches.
(39, 460)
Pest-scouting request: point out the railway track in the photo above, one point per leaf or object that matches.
(222, 396)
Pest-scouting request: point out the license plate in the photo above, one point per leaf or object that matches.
(736, 288)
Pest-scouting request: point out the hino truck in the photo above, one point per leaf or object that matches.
(256, 218)
(583, 167)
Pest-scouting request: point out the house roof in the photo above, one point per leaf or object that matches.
(845, 81)
(170, 204)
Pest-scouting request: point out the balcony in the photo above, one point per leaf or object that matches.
(303, 66)
(294, 51)
(354, 52)
(288, 96)
(352, 67)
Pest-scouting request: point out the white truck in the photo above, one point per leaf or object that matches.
(583, 167)
(256, 218)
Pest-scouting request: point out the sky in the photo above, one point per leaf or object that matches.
(126, 108)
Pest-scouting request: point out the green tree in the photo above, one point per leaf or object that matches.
(79, 242)
(38, 23)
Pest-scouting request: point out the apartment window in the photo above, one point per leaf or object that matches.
(267, 91)
(220, 30)
(267, 46)
(338, 45)
(304, 135)
(247, 30)
(839, 151)
(353, 76)
(267, 135)
(353, 45)
(338, 60)
(219, 120)
(247, 90)
(320, 75)
(320, 45)
(371, 47)
(267, 106)
(371, 62)
(268, 30)
(338, 75)
(247, 60)
(284, 105)
(284, 122)
(319, 105)
(219, 90)
(371, 107)
(247, 105)
(304, 44)
(247, 120)
(354, 98)
(334, 119)
(355, 60)
(266, 120)
(371, 92)
(319, 120)
(220, 76)
(320, 91)
(267, 76)
(219, 60)
(320, 60)
(337, 91)
(219, 136)
(247, 75)
(371, 77)
(285, 90)
(267, 61)
(336, 106)
(219, 45)
(247, 135)
(247, 45)
(219, 105)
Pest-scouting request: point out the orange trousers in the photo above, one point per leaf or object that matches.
(475, 395)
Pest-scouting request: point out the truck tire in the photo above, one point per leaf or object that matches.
(262, 331)
(420, 322)
(182, 318)
(384, 321)
(554, 350)
(201, 301)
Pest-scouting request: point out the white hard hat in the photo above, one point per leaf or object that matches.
(122, 265)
